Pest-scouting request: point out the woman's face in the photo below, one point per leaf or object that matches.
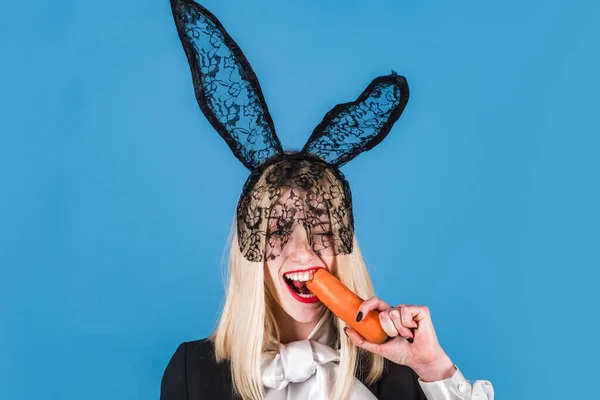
(287, 273)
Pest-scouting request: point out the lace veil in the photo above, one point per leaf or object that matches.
(284, 188)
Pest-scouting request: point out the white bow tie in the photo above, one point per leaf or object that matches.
(305, 370)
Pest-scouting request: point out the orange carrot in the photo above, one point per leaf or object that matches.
(344, 304)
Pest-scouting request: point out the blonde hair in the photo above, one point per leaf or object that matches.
(247, 326)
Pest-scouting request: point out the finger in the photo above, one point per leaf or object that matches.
(418, 313)
(407, 315)
(408, 318)
(394, 314)
(388, 325)
(374, 303)
(361, 342)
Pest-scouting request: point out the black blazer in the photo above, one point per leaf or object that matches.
(193, 374)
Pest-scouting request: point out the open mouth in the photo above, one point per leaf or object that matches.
(297, 282)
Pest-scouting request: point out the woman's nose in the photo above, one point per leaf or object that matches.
(300, 250)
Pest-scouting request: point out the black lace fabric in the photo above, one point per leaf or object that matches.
(226, 87)
(285, 189)
(289, 191)
(351, 128)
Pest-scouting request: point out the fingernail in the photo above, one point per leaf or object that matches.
(359, 316)
(345, 328)
(410, 340)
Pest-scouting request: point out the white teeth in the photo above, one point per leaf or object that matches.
(306, 296)
(300, 276)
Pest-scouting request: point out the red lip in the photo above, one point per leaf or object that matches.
(311, 300)
(302, 299)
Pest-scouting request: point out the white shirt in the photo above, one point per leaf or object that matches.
(306, 370)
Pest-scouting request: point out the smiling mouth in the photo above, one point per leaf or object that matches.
(297, 282)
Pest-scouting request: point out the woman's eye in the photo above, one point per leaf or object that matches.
(324, 234)
(278, 232)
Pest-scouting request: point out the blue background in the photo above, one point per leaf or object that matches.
(117, 196)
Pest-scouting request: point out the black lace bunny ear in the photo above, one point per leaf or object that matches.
(351, 128)
(225, 85)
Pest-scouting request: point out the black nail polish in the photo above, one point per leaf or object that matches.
(359, 316)
(345, 329)
(410, 340)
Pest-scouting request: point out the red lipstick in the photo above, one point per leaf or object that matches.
(301, 299)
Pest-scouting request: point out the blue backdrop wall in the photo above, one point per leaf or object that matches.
(117, 196)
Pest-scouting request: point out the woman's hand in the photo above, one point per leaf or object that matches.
(412, 341)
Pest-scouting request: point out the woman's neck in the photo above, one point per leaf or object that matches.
(291, 330)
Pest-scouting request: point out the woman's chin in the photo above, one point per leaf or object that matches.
(298, 310)
(304, 313)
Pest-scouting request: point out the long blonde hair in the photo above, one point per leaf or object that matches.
(247, 325)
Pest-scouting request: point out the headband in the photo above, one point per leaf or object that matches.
(284, 187)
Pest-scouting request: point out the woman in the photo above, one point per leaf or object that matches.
(275, 339)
